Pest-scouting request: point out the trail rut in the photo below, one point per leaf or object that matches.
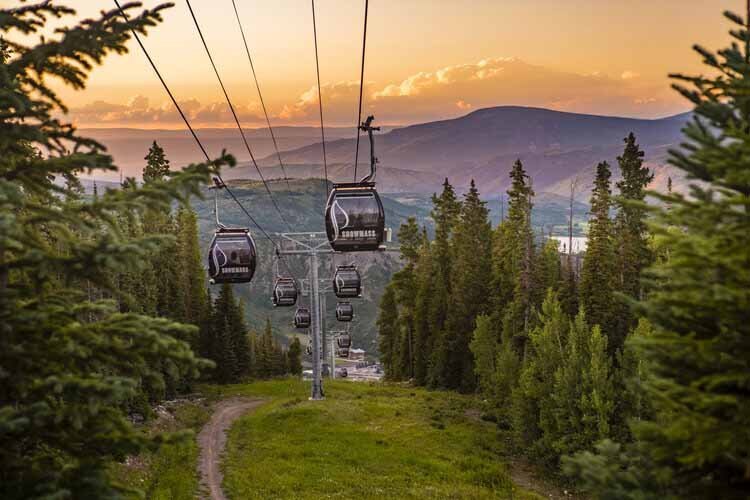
(212, 440)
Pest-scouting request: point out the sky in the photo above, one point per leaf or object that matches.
(425, 60)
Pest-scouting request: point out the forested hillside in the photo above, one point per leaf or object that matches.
(104, 309)
(628, 374)
(622, 373)
(303, 205)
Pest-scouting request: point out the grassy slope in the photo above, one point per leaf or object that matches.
(170, 473)
(364, 441)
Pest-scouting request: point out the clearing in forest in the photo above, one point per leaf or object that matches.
(363, 441)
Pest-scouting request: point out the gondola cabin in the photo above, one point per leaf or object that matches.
(344, 311)
(302, 318)
(285, 292)
(347, 283)
(344, 340)
(309, 349)
(231, 256)
(342, 352)
(355, 219)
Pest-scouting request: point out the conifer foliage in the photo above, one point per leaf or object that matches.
(70, 357)
(697, 444)
(483, 309)
(597, 275)
(157, 164)
(643, 391)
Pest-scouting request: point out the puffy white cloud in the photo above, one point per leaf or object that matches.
(339, 103)
(139, 111)
(422, 96)
(511, 81)
(424, 81)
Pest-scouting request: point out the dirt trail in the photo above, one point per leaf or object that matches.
(212, 439)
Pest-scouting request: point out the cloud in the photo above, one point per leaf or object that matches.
(140, 112)
(340, 102)
(444, 92)
(425, 81)
(423, 96)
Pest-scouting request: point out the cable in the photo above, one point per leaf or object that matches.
(260, 95)
(361, 84)
(320, 101)
(163, 83)
(192, 132)
(234, 114)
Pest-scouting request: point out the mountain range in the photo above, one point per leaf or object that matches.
(129, 146)
(555, 147)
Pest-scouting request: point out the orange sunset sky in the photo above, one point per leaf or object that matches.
(426, 59)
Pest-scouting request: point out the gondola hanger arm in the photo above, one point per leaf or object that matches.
(366, 126)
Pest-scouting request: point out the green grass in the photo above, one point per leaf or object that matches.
(363, 441)
(171, 472)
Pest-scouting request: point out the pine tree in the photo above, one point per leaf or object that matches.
(597, 275)
(631, 233)
(699, 302)
(267, 354)
(223, 350)
(162, 269)
(508, 366)
(547, 273)
(512, 268)
(631, 404)
(70, 364)
(206, 332)
(514, 258)
(445, 213)
(597, 403)
(423, 334)
(533, 410)
(295, 357)
(470, 285)
(568, 287)
(404, 282)
(240, 340)
(252, 341)
(566, 433)
(484, 348)
(278, 360)
(388, 330)
(157, 164)
(191, 275)
(633, 252)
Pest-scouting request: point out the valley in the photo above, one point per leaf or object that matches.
(303, 206)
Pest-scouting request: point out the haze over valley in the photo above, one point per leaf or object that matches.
(554, 146)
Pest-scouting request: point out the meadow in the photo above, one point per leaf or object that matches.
(362, 441)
